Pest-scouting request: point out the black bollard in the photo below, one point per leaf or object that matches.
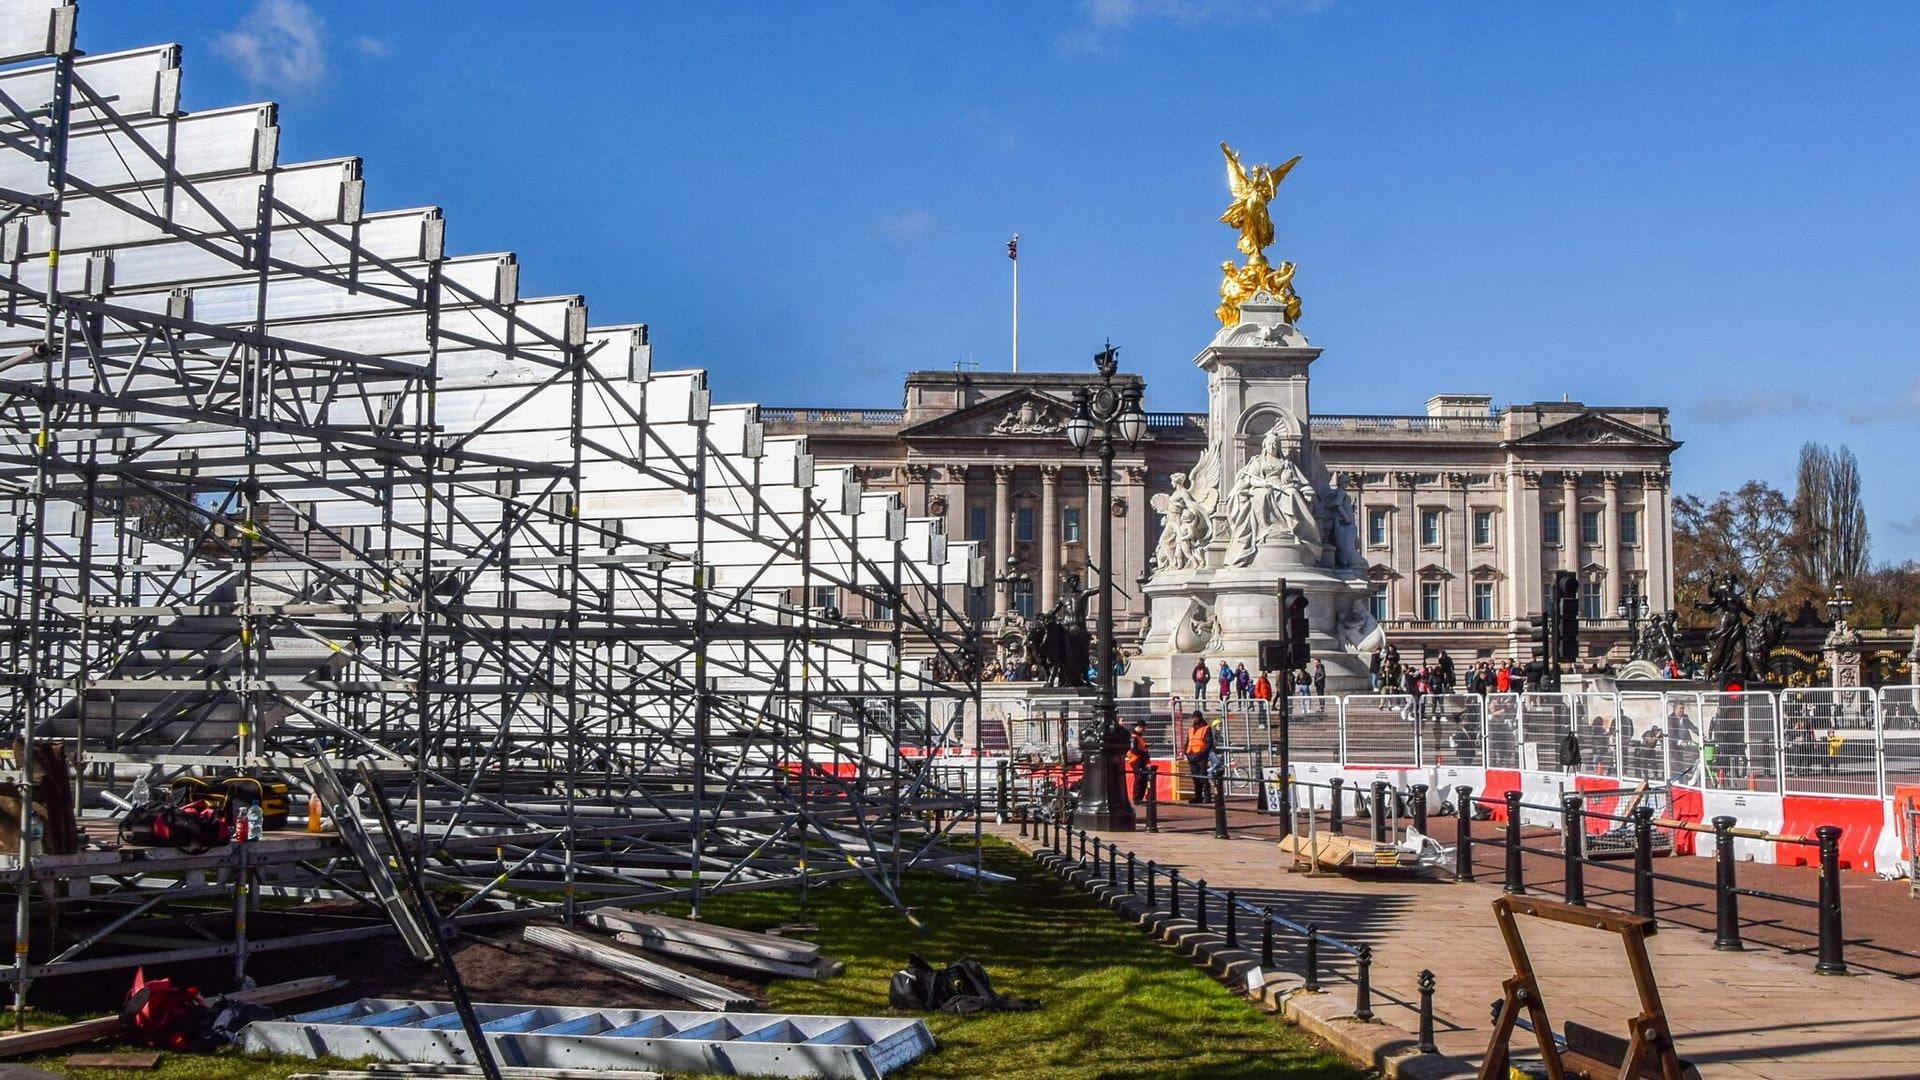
(1337, 819)
(1005, 788)
(1643, 860)
(1312, 980)
(1727, 907)
(1153, 871)
(1463, 843)
(1363, 986)
(1573, 847)
(1173, 892)
(1266, 937)
(1153, 798)
(1113, 866)
(1220, 806)
(1233, 921)
(1096, 853)
(1379, 811)
(1419, 798)
(1130, 861)
(1832, 961)
(1516, 876)
(1260, 783)
(1426, 1045)
(1200, 905)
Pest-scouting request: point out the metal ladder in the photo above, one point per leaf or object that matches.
(540, 1036)
(346, 817)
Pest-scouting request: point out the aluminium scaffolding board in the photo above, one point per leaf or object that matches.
(537, 1036)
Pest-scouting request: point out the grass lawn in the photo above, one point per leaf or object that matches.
(1114, 1002)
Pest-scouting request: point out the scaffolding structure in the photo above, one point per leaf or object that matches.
(280, 479)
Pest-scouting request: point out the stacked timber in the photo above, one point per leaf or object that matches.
(641, 970)
(717, 946)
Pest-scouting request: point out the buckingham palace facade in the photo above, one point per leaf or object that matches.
(1464, 512)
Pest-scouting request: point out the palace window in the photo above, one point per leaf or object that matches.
(1376, 528)
(1590, 599)
(826, 596)
(1377, 599)
(1430, 528)
(1483, 600)
(977, 528)
(1590, 527)
(882, 611)
(978, 606)
(1023, 524)
(1629, 526)
(1430, 600)
(1550, 528)
(1482, 528)
(1070, 525)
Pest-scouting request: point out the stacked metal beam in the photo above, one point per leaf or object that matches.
(280, 477)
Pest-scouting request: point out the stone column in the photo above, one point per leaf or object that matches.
(1133, 522)
(1656, 542)
(915, 500)
(1612, 555)
(1523, 575)
(1049, 535)
(1002, 533)
(1459, 540)
(1406, 555)
(1093, 519)
(1569, 521)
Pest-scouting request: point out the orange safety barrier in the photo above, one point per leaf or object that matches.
(1499, 782)
(1860, 822)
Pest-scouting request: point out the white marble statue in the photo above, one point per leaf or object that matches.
(1357, 629)
(1271, 499)
(1188, 528)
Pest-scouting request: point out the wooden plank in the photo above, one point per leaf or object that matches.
(709, 957)
(106, 1027)
(114, 1061)
(640, 970)
(695, 945)
(747, 941)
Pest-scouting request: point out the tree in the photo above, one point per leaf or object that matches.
(1830, 541)
(1747, 532)
(1888, 597)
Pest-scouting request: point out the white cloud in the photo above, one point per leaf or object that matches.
(278, 45)
(1103, 20)
(907, 225)
(370, 46)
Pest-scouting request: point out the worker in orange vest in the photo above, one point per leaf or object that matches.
(1199, 751)
(1140, 760)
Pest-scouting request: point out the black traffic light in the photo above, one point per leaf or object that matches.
(1566, 615)
(1540, 634)
(1293, 612)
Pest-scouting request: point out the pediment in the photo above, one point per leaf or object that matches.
(1595, 429)
(1593, 570)
(1432, 571)
(1381, 572)
(1485, 570)
(1022, 414)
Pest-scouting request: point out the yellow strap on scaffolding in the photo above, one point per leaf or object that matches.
(53, 257)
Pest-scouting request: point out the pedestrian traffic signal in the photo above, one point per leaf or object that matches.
(1294, 613)
(1540, 634)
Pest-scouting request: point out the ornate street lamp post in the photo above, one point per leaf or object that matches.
(1113, 414)
(1633, 609)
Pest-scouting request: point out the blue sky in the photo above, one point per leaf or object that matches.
(1709, 206)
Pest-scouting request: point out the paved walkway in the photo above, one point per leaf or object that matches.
(1758, 1013)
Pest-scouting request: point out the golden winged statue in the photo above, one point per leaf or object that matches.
(1248, 214)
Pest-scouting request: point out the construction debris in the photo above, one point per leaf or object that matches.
(717, 946)
(646, 972)
(573, 1040)
(106, 1027)
(148, 1060)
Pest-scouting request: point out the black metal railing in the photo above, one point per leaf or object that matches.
(1575, 861)
(1088, 853)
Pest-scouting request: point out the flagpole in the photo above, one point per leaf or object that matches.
(1013, 253)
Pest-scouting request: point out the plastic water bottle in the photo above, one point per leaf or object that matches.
(256, 821)
(36, 832)
(141, 793)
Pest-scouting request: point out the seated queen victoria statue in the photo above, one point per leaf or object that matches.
(1271, 501)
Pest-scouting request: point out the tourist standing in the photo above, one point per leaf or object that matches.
(1319, 679)
(1140, 759)
(1373, 671)
(1201, 674)
(1226, 680)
